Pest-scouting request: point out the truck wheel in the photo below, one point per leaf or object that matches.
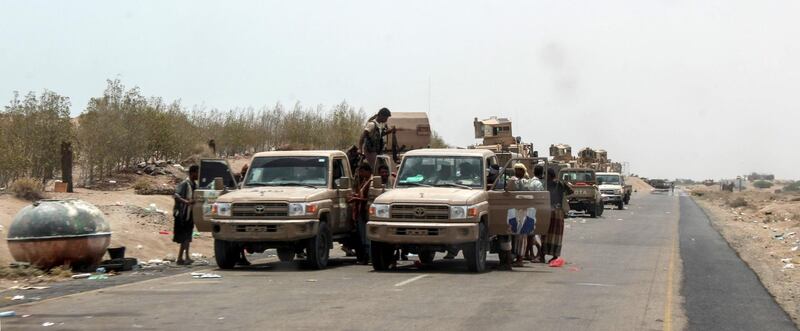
(382, 255)
(592, 211)
(475, 252)
(621, 205)
(286, 254)
(600, 209)
(226, 254)
(318, 248)
(426, 257)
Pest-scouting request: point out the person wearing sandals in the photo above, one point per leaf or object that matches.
(182, 212)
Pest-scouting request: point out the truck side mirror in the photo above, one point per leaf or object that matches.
(343, 183)
(377, 182)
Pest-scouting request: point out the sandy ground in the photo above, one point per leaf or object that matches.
(764, 234)
(638, 184)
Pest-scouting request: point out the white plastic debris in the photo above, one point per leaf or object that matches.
(311, 280)
(18, 297)
(139, 246)
(112, 181)
(788, 266)
(787, 260)
(203, 275)
(48, 324)
(79, 276)
(794, 249)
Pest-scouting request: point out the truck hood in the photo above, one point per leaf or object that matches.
(256, 194)
(437, 195)
(610, 187)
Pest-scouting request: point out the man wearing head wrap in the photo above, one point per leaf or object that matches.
(373, 139)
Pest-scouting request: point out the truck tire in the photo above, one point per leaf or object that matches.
(601, 207)
(592, 211)
(475, 252)
(318, 248)
(427, 257)
(621, 205)
(226, 254)
(382, 255)
(286, 254)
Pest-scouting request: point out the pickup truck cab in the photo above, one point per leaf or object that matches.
(289, 200)
(441, 201)
(612, 187)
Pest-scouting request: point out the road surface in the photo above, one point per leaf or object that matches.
(628, 270)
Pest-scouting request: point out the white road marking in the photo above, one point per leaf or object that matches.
(410, 280)
(595, 284)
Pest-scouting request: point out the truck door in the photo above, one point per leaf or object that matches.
(340, 213)
(501, 201)
(206, 194)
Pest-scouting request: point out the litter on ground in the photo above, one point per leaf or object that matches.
(203, 275)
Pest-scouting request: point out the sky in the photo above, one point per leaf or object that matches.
(678, 89)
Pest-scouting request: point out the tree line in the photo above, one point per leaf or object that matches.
(122, 128)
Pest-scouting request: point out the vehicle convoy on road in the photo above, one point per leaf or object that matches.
(442, 201)
(289, 200)
(586, 197)
(612, 188)
(497, 137)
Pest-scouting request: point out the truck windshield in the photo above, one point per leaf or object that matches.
(608, 179)
(288, 171)
(577, 176)
(443, 171)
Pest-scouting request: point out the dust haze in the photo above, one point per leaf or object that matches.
(675, 88)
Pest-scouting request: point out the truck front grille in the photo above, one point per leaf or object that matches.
(609, 192)
(420, 212)
(260, 209)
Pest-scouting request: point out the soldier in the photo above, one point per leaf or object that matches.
(373, 140)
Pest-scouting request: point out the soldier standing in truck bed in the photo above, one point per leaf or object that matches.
(373, 139)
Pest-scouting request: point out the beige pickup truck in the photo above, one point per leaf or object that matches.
(293, 201)
(442, 201)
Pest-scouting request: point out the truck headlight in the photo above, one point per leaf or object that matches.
(379, 210)
(462, 212)
(221, 209)
(297, 209)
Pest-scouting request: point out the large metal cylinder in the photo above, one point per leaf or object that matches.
(51, 233)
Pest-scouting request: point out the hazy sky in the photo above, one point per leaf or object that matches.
(701, 89)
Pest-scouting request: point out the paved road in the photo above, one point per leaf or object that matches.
(721, 291)
(623, 273)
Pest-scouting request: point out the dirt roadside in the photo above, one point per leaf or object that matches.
(762, 227)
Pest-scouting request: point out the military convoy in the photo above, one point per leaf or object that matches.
(441, 200)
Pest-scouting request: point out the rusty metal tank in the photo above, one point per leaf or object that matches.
(51, 233)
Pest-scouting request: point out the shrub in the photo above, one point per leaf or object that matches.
(141, 186)
(738, 202)
(27, 189)
(762, 184)
(793, 187)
